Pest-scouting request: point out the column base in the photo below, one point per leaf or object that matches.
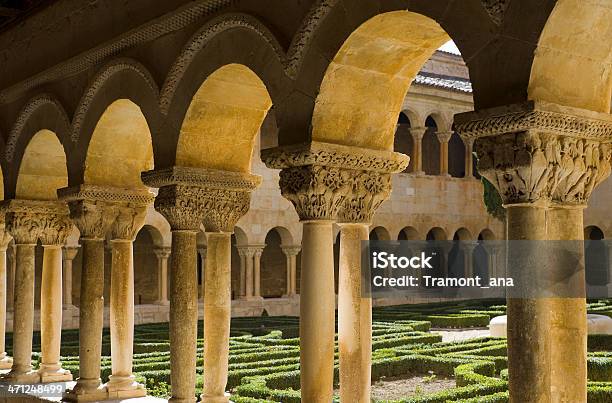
(163, 303)
(177, 400)
(250, 298)
(21, 377)
(86, 390)
(6, 362)
(124, 387)
(215, 399)
(48, 375)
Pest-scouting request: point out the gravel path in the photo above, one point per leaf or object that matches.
(401, 388)
(455, 335)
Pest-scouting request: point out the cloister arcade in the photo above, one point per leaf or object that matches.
(159, 105)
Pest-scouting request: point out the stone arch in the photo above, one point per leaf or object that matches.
(456, 156)
(575, 42)
(122, 93)
(379, 234)
(120, 147)
(274, 263)
(436, 234)
(431, 148)
(145, 265)
(42, 169)
(222, 120)
(362, 91)
(596, 258)
(402, 142)
(408, 234)
(486, 235)
(41, 113)
(463, 234)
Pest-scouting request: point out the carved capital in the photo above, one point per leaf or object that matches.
(418, 133)
(318, 177)
(246, 251)
(540, 153)
(93, 219)
(128, 222)
(162, 253)
(291, 250)
(368, 191)
(444, 137)
(70, 252)
(5, 238)
(190, 196)
(29, 220)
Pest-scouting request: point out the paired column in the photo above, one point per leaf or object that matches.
(121, 383)
(5, 361)
(318, 193)
(444, 138)
(291, 253)
(545, 160)
(93, 219)
(23, 222)
(257, 271)
(69, 253)
(53, 234)
(202, 257)
(162, 255)
(417, 147)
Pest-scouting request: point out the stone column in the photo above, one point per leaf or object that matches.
(469, 158)
(180, 205)
(227, 199)
(69, 253)
(202, 257)
(5, 361)
(23, 222)
(53, 235)
(444, 138)
(467, 248)
(162, 255)
(291, 252)
(10, 275)
(355, 310)
(417, 149)
(121, 383)
(93, 219)
(257, 271)
(318, 192)
(545, 160)
(247, 253)
(242, 278)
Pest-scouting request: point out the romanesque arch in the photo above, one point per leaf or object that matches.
(409, 234)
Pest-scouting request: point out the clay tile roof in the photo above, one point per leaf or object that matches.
(445, 82)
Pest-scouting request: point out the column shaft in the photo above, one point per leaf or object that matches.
(10, 277)
(288, 273)
(51, 316)
(5, 361)
(23, 314)
(293, 275)
(242, 285)
(469, 159)
(317, 303)
(257, 274)
(568, 330)
(217, 316)
(444, 158)
(183, 316)
(528, 319)
(249, 275)
(354, 318)
(91, 316)
(121, 383)
(162, 280)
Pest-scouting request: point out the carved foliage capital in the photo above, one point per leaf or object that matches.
(181, 205)
(291, 250)
(29, 220)
(162, 253)
(368, 191)
(128, 222)
(93, 219)
(532, 166)
(223, 208)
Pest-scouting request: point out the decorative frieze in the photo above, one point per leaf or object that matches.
(329, 181)
(535, 153)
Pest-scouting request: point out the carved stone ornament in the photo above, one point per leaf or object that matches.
(96, 209)
(291, 250)
(496, 9)
(30, 220)
(540, 153)
(190, 196)
(334, 182)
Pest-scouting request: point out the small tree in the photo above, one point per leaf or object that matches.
(493, 200)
